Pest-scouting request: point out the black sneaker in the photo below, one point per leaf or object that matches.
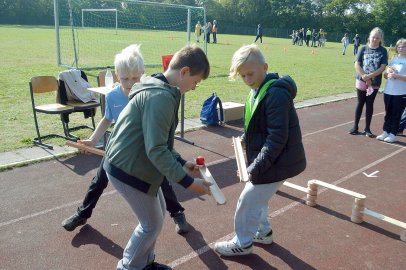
(368, 133)
(354, 131)
(181, 224)
(157, 266)
(74, 221)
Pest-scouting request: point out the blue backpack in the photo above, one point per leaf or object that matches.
(209, 115)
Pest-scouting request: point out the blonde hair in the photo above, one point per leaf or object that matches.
(129, 61)
(244, 54)
(378, 31)
(400, 41)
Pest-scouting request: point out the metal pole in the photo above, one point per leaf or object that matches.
(58, 48)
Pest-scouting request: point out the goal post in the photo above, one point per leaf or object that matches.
(95, 10)
(89, 34)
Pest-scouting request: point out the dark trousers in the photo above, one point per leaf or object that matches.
(369, 108)
(355, 50)
(394, 107)
(99, 183)
(208, 37)
(402, 124)
(214, 37)
(258, 37)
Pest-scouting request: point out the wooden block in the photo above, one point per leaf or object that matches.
(85, 148)
(338, 189)
(311, 185)
(384, 218)
(240, 159)
(359, 201)
(232, 111)
(294, 186)
(311, 192)
(311, 203)
(403, 236)
(356, 219)
(311, 197)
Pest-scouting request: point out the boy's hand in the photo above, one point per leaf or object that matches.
(191, 169)
(200, 186)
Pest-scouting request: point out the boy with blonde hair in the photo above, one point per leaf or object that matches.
(273, 143)
(141, 152)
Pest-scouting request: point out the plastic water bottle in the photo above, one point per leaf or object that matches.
(108, 79)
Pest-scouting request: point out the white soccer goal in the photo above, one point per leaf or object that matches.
(95, 12)
(90, 33)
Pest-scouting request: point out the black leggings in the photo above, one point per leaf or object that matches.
(369, 105)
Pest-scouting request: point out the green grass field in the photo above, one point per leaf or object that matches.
(31, 51)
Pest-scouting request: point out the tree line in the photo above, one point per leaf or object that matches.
(241, 16)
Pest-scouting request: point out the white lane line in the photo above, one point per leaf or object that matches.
(333, 127)
(282, 210)
(5, 223)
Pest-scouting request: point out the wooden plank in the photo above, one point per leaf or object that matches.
(384, 218)
(85, 148)
(294, 186)
(239, 156)
(338, 189)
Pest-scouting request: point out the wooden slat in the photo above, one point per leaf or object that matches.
(85, 148)
(338, 189)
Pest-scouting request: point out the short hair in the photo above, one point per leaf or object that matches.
(378, 31)
(400, 41)
(244, 54)
(129, 60)
(192, 57)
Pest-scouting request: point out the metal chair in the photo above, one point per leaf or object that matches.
(41, 85)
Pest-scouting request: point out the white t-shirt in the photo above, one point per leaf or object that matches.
(393, 86)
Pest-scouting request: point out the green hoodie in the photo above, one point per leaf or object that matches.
(140, 150)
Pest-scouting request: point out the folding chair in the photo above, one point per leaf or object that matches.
(88, 109)
(46, 84)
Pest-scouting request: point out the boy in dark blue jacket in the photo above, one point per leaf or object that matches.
(274, 148)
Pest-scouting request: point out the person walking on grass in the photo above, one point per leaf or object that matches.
(274, 148)
(129, 67)
(345, 41)
(140, 152)
(369, 65)
(259, 33)
(394, 93)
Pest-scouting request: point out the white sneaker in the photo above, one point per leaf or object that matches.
(228, 248)
(267, 239)
(382, 136)
(390, 139)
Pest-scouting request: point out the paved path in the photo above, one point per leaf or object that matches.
(36, 198)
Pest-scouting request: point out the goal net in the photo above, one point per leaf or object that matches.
(90, 33)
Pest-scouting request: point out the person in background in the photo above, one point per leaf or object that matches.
(274, 149)
(208, 31)
(198, 31)
(357, 42)
(369, 65)
(345, 41)
(259, 33)
(214, 30)
(394, 93)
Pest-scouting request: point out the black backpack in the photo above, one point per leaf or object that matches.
(209, 115)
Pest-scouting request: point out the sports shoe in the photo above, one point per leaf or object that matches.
(382, 136)
(353, 131)
(74, 221)
(267, 239)
(156, 266)
(368, 133)
(390, 139)
(181, 224)
(228, 248)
